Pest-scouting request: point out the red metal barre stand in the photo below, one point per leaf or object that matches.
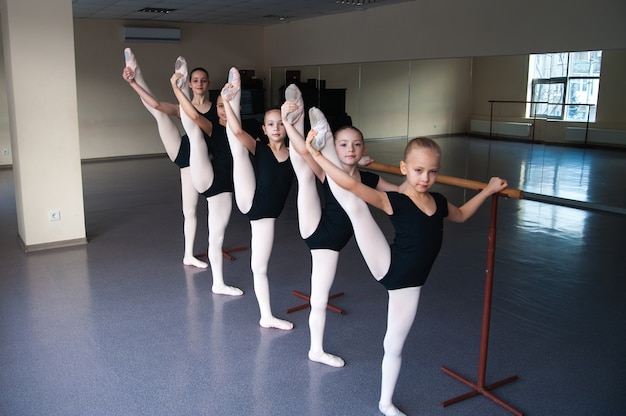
(308, 302)
(226, 252)
(479, 386)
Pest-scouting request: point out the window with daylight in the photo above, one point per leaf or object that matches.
(564, 85)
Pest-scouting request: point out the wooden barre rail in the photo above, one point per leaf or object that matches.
(449, 180)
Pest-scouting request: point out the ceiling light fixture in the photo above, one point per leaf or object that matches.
(355, 2)
(156, 10)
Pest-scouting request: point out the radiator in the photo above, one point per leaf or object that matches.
(501, 128)
(603, 136)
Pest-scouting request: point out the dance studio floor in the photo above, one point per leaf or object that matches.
(120, 327)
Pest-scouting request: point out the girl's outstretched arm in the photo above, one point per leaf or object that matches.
(188, 108)
(462, 214)
(164, 107)
(372, 196)
(234, 125)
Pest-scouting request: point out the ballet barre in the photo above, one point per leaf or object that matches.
(479, 386)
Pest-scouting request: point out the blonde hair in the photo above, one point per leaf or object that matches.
(419, 143)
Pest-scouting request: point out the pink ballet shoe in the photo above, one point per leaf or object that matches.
(180, 67)
(320, 125)
(131, 62)
(293, 94)
(234, 84)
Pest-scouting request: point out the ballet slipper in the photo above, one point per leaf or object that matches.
(226, 290)
(131, 62)
(326, 358)
(293, 94)
(192, 261)
(320, 125)
(389, 410)
(276, 323)
(233, 86)
(180, 67)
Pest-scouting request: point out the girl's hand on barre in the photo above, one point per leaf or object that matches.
(496, 185)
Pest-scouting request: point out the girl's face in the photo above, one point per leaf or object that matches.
(199, 82)
(349, 146)
(273, 126)
(421, 168)
(221, 111)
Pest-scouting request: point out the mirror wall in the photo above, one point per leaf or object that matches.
(392, 101)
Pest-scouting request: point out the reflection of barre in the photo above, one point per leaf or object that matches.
(449, 180)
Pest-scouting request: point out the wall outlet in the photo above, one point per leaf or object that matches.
(54, 215)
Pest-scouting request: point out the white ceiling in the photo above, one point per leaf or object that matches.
(236, 12)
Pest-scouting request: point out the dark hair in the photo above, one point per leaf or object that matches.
(342, 128)
(201, 70)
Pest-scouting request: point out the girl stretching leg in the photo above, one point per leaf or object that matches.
(200, 119)
(417, 216)
(171, 139)
(260, 190)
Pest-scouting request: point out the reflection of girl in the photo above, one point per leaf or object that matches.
(212, 178)
(177, 149)
(324, 227)
(262, 175)
(417, 216)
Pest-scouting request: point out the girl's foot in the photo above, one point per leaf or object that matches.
(131, 62)
(192, 261)
(276, 323)
(233, 86)
(389, 410)
(293, 94)
(326, 358)
(226, 290)
(320, 125)
(180, 67)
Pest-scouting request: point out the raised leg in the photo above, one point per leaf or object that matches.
(199, 161)
(244, 178)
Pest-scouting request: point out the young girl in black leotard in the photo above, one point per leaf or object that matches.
(417, 216)
(176, 147)
(261, 187)
(205, 126)
(325, 228)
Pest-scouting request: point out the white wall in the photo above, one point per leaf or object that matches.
(113, 122)
(449, 28)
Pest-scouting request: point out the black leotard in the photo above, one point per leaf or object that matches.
(222, 160)
(335, 229)
(273, 183)
(417, 241)
(182, 158)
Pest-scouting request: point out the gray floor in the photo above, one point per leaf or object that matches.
(121, 327)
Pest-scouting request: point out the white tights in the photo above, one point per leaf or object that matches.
(199, 160)
(323, 261)
(170, 137)
(262, 236)
(402, 302)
